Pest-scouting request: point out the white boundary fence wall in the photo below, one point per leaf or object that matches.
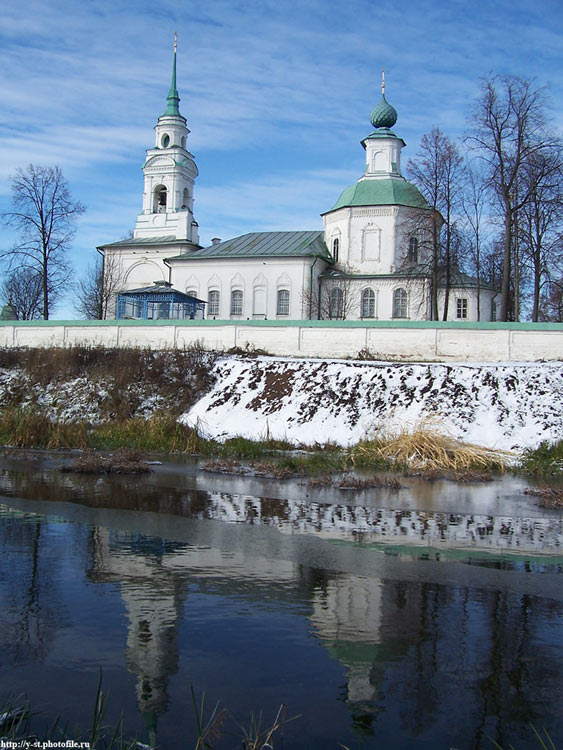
(408, 341)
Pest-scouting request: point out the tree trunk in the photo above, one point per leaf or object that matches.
(45, 291)
(506, 265)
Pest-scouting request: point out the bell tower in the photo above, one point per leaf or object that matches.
(170, 172)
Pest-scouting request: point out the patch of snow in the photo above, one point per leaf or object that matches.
(507, 407)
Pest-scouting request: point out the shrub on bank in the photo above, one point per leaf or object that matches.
(122, 383)
(545, 460)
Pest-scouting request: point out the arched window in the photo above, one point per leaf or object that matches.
(336, 307)
(368, 303)
(236, 302)
(283, 302)
(335, 249)
(413, 250)
(165, 140)
(192, 293)
(183, 141)
(400, 303)
(186, 198)
(159, 202)
(213, 301)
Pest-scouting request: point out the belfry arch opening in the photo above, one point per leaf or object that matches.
(160, 197)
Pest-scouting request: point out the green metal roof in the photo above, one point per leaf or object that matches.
(167, 239)
(381, 192)
(259, 244)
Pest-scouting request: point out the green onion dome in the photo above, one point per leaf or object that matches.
(383, 115)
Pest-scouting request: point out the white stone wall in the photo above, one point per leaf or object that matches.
(493, 343)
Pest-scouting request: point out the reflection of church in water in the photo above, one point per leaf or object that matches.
(346, 610)
(394, 635)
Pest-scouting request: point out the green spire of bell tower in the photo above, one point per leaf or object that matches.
(173, 100)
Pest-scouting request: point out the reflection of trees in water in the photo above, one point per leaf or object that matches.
(457, 663)
(31, 615)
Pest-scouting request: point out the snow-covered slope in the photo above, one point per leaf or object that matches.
(309, 401)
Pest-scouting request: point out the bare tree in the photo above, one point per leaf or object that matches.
(474, 204)
(551, 307)
(509, 131)
(23, 291)
(95, 294)
(437, 170)
(338, 297)
(335, 299)
(44, 214)
(541, 222)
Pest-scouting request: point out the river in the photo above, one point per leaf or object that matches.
(423, 617)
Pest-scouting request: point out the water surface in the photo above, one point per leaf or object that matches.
(428, 617)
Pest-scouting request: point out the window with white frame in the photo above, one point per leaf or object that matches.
(400, 303)
(236, 302)
(213, 301)
(336, 306)
(192, 293)
(283, 302)
(368, 303)
(461, 308)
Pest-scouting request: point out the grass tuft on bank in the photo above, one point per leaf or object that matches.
(426, 449)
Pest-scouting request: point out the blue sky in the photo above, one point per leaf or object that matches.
(277, 95)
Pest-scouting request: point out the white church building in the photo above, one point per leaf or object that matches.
(371, 262)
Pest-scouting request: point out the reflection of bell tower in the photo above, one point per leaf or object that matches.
(153, 596)
(170, 171)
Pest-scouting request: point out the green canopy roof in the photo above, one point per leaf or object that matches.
(381, 192)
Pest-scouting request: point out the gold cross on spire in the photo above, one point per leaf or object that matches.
(383, 81)
(175, 41)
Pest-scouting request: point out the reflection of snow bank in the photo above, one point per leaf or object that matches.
(308, 401)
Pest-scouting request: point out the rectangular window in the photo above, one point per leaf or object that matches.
(236, 302)
(462, 308)
(213, 303)
(283, 302)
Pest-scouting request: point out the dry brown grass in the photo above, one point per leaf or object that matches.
(353, 482)
(425, 448)
(549, 497)
(121, 462)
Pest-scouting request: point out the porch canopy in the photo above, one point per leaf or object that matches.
(158, 302)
